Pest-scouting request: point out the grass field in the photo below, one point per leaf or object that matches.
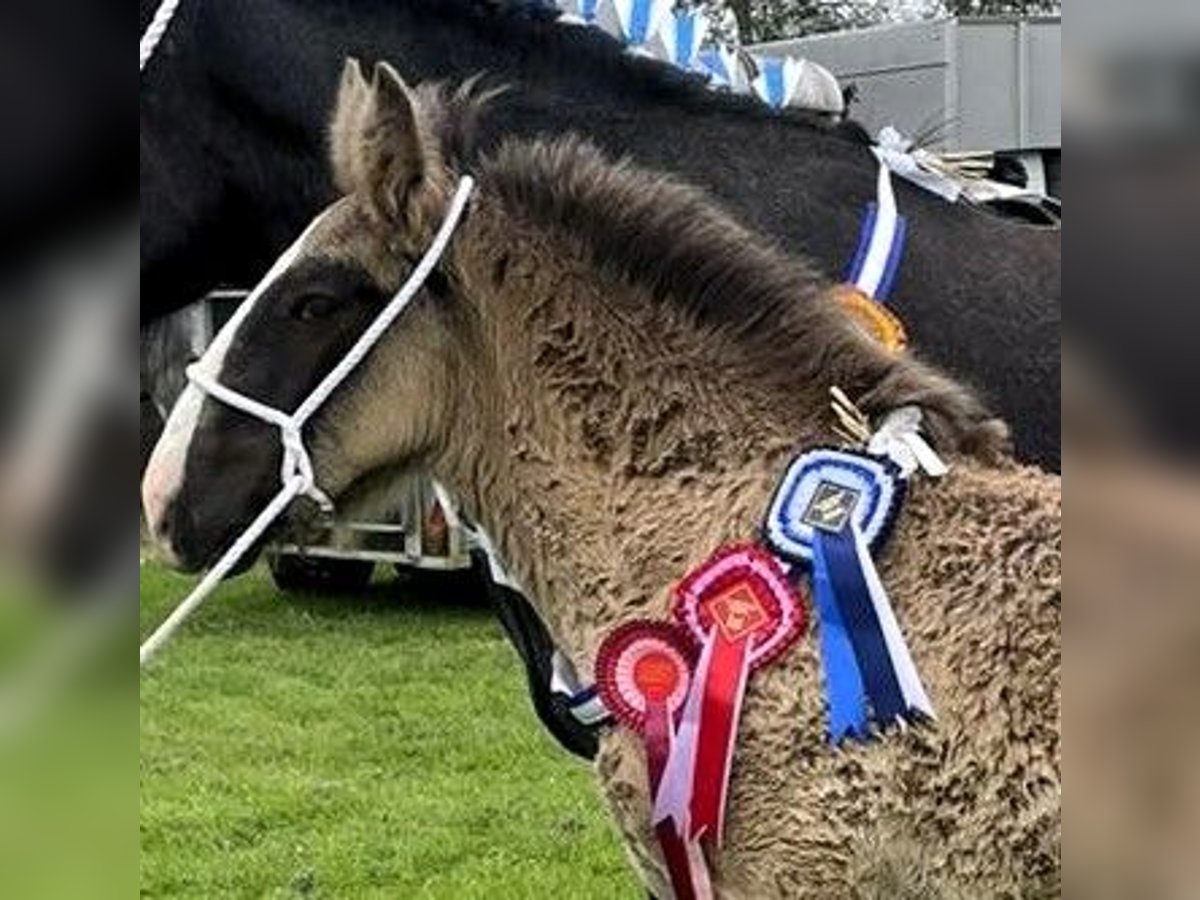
(373, 746)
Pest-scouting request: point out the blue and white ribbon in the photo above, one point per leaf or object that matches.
(577, 12)
(790, 81)
(831, 509)
(583, 701)
(723, 68)
(845, 579)
(791, 532)
(655, 28)
(633, 21)
(678, 41)
(776, 81)
(880, 242)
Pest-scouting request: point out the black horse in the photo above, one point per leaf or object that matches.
(233, 122)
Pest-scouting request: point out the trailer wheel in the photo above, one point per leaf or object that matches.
(458, 587)
(311, 574)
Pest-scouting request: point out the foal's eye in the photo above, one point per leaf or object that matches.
(310, 307)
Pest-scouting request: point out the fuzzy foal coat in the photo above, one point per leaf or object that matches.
(625, 374)
(623, 475)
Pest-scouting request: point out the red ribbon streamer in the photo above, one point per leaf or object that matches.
(658, 748)
(723, 687)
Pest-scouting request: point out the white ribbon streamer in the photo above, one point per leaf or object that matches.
(898, 437)
(674, 798)
(906, 671)
(894, 151)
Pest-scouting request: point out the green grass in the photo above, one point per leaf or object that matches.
(373, 746)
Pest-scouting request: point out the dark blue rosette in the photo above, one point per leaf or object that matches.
(831, 511)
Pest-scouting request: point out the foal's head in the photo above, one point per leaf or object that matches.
(396, 152)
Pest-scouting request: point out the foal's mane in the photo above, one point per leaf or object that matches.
(687, 254)
(651, 230)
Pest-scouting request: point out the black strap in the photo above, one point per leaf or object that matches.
(532, 642)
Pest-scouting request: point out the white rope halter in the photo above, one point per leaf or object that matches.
(155, 30)
(296, 473)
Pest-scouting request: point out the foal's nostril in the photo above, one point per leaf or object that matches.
(171, 531)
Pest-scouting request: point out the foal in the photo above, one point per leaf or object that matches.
(612, 374)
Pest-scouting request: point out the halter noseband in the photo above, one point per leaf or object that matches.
(297, 464)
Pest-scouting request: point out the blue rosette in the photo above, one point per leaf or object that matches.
(832, 510)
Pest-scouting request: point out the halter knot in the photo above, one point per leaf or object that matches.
(298, 464)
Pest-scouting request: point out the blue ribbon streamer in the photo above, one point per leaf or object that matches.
(685, 36)
(772, 71)
(639, 21)
(843, 682)
(864, 242)
(710, 60)
(895, 252)
(853, 599)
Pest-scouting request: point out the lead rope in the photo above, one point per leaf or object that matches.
(297, 472)
(155, 30)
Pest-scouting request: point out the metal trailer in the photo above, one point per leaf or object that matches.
(342, 553)
(991, 84)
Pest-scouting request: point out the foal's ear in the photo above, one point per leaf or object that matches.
(344, 129)
(383, 149)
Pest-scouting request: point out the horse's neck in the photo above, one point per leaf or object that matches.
(276, 165)
(616, 448)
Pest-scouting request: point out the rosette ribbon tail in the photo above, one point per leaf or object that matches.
(722, 689)
(673, 795)
(845, 696)
(916, 700)
(888, 675)
(686, 882)
(671, 790)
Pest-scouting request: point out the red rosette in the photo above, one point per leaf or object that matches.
(744, 591)
(741, 611)
(643, 663)
(644, 673)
